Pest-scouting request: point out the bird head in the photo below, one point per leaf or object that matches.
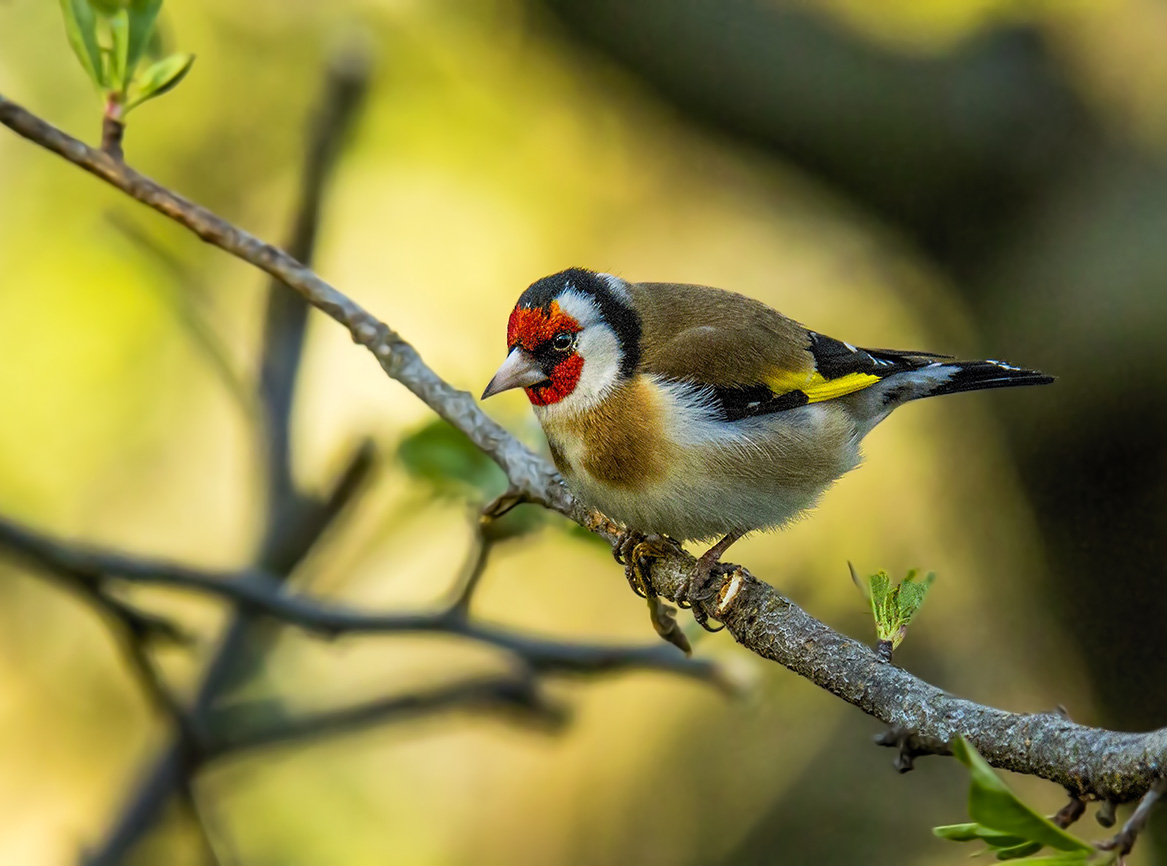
(571, 338)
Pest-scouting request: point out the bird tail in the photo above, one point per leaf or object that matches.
(960, 376)
(912, 375)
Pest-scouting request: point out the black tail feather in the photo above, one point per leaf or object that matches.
(981, 375)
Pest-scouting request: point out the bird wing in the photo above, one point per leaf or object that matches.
(753, 360)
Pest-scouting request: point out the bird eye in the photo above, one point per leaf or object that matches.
(562, 341)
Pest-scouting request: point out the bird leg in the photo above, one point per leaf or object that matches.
(708, 565)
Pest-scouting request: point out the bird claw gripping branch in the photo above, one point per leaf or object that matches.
(636, 551)
(699, 589)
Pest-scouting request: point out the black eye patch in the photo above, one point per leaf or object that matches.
(551, 353)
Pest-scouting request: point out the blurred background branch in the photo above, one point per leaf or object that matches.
(294, 522)
(261, 594)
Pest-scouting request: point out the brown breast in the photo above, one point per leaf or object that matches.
(619, 443)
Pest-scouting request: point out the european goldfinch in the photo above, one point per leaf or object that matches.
(693, 412)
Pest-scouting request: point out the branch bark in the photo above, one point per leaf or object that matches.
(1091, 763)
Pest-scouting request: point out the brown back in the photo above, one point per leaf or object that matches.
(715, 337)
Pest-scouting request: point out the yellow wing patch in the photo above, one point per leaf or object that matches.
(818, 388)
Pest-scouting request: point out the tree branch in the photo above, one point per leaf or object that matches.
(286, 317)
(261, 592)
(1092, 763)
(1088, 762)
(515, 695)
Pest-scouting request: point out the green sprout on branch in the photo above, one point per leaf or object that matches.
(893, 607)
(111, 39)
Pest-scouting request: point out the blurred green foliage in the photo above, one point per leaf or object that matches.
(447, 461)
(442, 458)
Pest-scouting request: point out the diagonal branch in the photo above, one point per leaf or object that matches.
(1088, 762)
(529, 474)
(1093, 763)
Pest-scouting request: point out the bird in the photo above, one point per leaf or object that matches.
(691, 413)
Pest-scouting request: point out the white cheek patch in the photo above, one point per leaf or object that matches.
(600, 350)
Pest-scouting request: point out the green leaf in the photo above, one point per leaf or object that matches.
(1016, 852)
(991, 803)
(449, 462)
(119, 31)
(974, 831)
(143, 14)
(81, 29)
(912, 593)
(879, 584)
(109, 7)
(158, 79)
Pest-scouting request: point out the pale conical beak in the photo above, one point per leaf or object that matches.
(519, 370)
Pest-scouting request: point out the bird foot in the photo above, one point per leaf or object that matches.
(635, 551)
(699, 587)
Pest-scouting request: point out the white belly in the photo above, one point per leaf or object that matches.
(758, 473)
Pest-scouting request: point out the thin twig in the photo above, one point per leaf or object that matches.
(1070, 813)
(113, 129)
(133, 629)
(508, 694)
(166, 775)
(910, 745)
(480, 551)
(1125, 839)
(260, 592)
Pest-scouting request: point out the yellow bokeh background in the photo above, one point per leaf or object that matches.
(492, 151)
